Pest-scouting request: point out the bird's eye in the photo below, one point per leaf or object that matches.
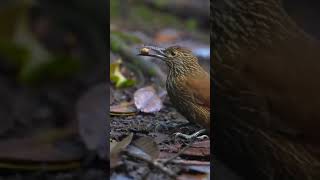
(172, 53)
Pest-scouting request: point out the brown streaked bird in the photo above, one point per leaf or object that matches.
(188, 84)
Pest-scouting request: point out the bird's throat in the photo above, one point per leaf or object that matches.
(184, 70)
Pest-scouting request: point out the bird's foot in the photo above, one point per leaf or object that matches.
(196, 135)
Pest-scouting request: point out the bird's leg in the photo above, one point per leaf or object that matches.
(192, 136)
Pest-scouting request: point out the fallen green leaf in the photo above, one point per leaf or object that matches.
(117, 77)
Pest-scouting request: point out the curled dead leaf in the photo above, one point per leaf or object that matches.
(147, 100)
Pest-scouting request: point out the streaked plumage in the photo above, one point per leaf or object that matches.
(188, 84)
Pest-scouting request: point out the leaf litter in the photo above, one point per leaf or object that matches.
(152, 148)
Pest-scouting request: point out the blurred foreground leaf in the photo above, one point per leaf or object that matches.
(21, 50)
(91, 115)
(41, 62)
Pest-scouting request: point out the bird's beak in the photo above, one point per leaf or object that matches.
(153, 51)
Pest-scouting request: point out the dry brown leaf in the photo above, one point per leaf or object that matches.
(201, 149)
(197, 149)
(116, 148)
(124, 108)
(148, 145)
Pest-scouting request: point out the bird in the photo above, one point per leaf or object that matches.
(274, 56)
(187, 84)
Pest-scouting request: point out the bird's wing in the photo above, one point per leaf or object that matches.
(199, 89)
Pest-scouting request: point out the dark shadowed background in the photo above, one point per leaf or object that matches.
(53, 69)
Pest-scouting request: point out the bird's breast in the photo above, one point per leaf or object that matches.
(183, 102)
(177, 92)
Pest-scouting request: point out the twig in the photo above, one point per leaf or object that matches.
(179, 153)
(176, 155)
(152, 163)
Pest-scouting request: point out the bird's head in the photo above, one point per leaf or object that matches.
(177, 58)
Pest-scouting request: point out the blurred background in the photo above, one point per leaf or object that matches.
(162, 23)
(52, 85)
